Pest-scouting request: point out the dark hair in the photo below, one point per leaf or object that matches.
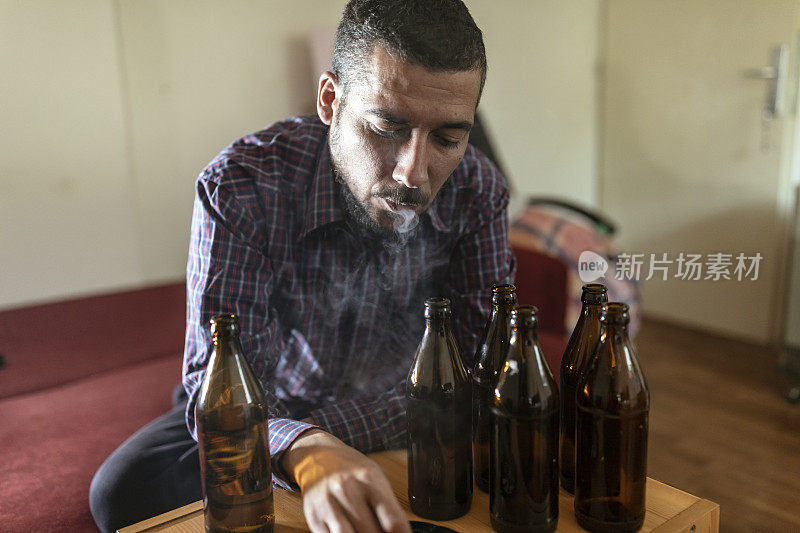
(439, 35)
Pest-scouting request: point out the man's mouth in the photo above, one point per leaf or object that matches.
(397, 206)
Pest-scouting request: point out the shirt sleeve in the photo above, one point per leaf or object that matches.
(482, 258)
(228, 273)
(367, 424)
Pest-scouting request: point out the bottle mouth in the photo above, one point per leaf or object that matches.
(437, 306)
(503, 288)
(594, 287)
(594, 293)
(227, 324)
(524, 315)
(437, 302)
(504, 294)
(615, 313)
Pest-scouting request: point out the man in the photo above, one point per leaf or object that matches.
(325, 236)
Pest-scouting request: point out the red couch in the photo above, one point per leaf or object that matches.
(81, 376)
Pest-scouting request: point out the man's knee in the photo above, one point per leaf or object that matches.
(156, 470)
(111, 495)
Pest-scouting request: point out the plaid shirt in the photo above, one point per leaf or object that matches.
(331, 318)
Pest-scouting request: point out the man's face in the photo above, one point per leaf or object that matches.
(398, 135)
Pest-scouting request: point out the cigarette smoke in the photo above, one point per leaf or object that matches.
(405, 220)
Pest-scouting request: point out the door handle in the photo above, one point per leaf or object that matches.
(773, 74)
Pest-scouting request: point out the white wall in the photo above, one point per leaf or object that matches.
(199, 75)
(66, 220)
(792, 324)
(540, 102)
(115, 106)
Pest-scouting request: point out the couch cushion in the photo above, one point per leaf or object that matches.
(53, 441)
(52, 344)
(542, 281)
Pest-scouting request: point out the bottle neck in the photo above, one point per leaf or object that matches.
(436, 323)
(225, 338)
(614, 329)
(226, 347)
(524, 335)
(592, 310)
(502, 309)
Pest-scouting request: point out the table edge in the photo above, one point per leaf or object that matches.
(176, 514)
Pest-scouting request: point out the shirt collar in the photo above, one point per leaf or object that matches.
(325, 203)
(440, 205)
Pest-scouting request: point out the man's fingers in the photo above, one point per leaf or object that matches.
(315, 523)
(354, 500)
(337, 520)
(320, 508)
(390, 515)
(339, 526)
(326, 514)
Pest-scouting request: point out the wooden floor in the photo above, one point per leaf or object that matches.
(721, 428)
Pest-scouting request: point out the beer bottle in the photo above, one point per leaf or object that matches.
(579, 350)
(488, 361)
(523, 495)
(438, 418)
(613, 403)
(231, 419)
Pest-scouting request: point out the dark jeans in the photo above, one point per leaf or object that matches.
(154, 471)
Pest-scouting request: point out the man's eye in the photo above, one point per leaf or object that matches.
(447, 143)
(388, 134)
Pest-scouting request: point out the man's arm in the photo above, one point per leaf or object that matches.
(342, 489)
(227, 273)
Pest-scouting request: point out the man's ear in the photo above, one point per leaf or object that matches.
(328, 96)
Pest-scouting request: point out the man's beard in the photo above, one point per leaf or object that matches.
(356, 213)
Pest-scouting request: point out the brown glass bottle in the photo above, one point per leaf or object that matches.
(488, 361)
(438, 418)
(613, 404)
(231, 419)
(579, 350)
(523, 495)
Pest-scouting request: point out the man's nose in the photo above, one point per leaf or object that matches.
(411, 165)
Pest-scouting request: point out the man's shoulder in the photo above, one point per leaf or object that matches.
(475, 192)
(284, 150)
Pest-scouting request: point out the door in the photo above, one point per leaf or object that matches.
(695, 166)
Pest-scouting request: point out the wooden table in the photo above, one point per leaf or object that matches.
(668, 509)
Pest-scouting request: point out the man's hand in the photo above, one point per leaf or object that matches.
(343, 490)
